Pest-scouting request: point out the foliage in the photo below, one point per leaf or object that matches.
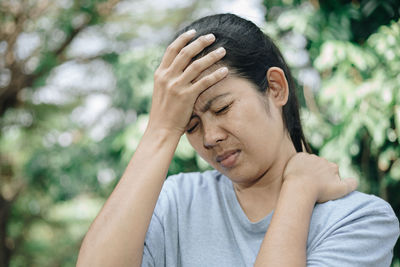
(352, 118)
(59, 159)
(360, 102)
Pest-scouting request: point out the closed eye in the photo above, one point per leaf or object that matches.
(191, 129)
(223, 109)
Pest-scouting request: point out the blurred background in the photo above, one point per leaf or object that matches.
(76, 84)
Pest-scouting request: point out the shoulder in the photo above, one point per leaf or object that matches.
(354, 205)
(353, 209)
(356, 230)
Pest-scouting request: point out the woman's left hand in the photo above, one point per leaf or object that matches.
(318, 177)
(307, 179)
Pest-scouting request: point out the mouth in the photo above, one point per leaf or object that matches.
(228, 159)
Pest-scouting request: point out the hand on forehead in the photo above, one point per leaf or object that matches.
(212, 91)
(208, 71)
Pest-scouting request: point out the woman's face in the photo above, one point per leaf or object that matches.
(236, 131)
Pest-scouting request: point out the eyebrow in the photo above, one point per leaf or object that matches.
(209, 103)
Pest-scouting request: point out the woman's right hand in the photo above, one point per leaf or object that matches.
(175, 92)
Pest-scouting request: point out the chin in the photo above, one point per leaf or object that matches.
(238, 176)
(244, 176)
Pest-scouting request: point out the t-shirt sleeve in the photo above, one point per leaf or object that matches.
(153, 253)
(161, 242)
(364, 237)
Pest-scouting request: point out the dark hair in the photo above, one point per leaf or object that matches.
(249, 54)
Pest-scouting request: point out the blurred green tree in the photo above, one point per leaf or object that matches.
(34, 39)
(352, 104)
(65, 131)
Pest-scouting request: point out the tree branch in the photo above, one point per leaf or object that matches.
(20, 80)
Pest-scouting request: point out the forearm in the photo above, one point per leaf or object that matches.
(117, 235)
(285, 242)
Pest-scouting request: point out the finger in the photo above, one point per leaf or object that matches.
(175, 47)
(338, 189)
(209, 80)
(347, 185)
(198, 66)
(351, 183)
(334, 167)
(187, 53)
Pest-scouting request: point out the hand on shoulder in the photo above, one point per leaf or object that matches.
(319, 176)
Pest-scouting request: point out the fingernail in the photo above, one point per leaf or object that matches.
(220, 50)
(210, 37)
(223, 70)
(191, 32)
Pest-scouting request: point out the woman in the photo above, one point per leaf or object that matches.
(227, 86)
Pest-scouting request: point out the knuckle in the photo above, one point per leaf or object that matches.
(302, 155)
(157, 74)
(208, 81)
(333, 165)
(210, 59)
(160, 77)
(336, 167)
(173, 84)
(215, 55)
(203, 83)
(195, 66)
(312, 157)
(172, 49)
(184, 52)
(167, 72)
(316, 157)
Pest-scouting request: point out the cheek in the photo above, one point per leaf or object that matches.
(196, 141)
(193, 141)
(260, 132)
(249, 123)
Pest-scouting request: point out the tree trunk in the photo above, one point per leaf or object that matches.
(5, 251)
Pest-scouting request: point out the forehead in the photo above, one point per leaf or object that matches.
(230, 86)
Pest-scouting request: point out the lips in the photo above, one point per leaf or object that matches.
(228, 159)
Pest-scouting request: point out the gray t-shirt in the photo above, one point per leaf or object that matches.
(198, 221)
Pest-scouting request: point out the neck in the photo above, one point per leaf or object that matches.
(259, 197)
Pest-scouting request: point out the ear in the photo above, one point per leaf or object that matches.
(278, 86)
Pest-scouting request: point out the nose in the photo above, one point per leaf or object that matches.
(213, 134)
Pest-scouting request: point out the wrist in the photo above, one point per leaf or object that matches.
(159, 137)
(163, 132)
(302, 187)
